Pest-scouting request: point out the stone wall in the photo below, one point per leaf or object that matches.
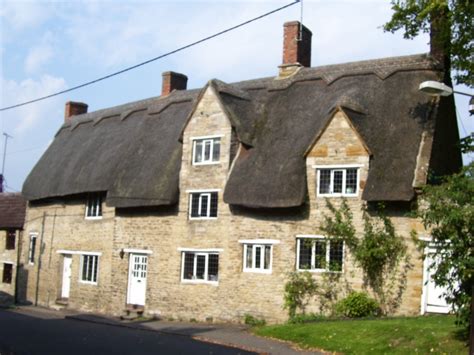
(8, 256)
(163, 231)
(61, 228)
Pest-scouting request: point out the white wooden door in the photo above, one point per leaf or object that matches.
(138, 269)
(434, 300)
(66, 285)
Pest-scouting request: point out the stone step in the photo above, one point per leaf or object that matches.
(132, 312)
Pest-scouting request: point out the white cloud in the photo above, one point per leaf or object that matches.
(22, 15)
(40, 54)
(27, 117)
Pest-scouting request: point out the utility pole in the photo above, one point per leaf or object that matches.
(2, 175)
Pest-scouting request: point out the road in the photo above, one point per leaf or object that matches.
(22, 333)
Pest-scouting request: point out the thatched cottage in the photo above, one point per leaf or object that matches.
(198, 203)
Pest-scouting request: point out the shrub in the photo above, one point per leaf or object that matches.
(253, 321)
(357, 305)
(298, 291)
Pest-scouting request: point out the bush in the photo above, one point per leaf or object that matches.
(253, 321)
(357, 305)
(298, 291)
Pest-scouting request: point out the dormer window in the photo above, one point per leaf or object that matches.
(203, 204)
(206, 150)
(94, 206)
(337, 181)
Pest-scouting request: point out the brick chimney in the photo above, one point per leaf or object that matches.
(73, 109)
(440, 38)
(173, 81)
(296, 48)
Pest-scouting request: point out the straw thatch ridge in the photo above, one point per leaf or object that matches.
(133, 151)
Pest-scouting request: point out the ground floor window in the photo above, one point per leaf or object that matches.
(319, 254)
(32, 249)
(89, 268)
(7, 273)
(200, 266)
(257, 258)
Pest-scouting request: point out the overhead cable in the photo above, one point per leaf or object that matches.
(149, 60)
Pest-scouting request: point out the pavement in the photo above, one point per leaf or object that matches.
(231, 335)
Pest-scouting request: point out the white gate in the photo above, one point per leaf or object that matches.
(138, 269)
(433, 300)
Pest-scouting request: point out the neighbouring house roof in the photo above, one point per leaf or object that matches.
(12, 211)
(134, 151)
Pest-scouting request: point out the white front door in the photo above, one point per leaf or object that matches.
(66, 286)
(433, 295)
(138, 269)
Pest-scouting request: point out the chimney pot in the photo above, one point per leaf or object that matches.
(173, 81)
(73, 109)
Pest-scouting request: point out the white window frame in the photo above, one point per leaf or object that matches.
(97, 264)
(98, 199)
(31, 250)
(208, 193)
(257, 243)
(199, 252)
(332, 169)
(299, 238)
(253, 268)
(205, 139)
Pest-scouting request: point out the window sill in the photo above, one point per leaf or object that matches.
(88, 282)
(207, 163)
(202, 282)
(320, 271)
(257, 271)
(202, 218)
(338, 195)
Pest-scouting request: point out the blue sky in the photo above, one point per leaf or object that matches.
(48, 46)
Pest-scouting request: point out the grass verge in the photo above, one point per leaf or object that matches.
(435, 334)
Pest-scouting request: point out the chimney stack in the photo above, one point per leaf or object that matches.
(296, 48)
(73, 109)
(173, 81)
(440, 38)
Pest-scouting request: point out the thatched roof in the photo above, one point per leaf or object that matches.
(134, 151)
(12, 211)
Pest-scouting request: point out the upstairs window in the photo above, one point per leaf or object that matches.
(94, 206)
(206, 150)
(10, 241)
(320, 254)
(203, 205)
(338, 181)
(200, 267)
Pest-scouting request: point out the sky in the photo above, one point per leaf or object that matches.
(48, 46)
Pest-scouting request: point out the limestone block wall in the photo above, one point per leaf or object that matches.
(61, 228)
(8, 256)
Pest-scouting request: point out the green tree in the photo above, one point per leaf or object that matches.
(449, 215)
(454, 23)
